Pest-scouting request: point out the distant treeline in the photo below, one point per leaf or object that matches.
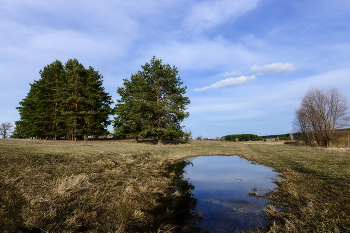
(275, 136)
(296, 136)
(243, 137)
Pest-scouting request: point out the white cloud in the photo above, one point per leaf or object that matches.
(336, 78)
(229, 82)
(275, 68)
(203, 54)
(208, 14)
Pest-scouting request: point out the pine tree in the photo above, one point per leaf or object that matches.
(25, 127)
(72, 100)
(152, 103)
(37, 110)
(97, 105)
(48, 104)
(85, 106)
(132, 109)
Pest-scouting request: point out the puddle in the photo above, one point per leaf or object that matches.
(221, 186)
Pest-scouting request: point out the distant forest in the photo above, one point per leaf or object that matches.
(280, 136)
(243, 137)
(254, 137)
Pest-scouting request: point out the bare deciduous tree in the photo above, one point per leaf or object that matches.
(320, 114)
(5, 129)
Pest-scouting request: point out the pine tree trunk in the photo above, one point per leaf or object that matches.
(160, 141)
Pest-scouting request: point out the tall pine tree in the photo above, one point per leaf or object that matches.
(37, 110)
(27, 127)
(48, 104)
(132, 108)
(152, 103)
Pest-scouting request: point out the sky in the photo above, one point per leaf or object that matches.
(246, 63)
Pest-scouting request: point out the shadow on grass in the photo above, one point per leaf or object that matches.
(164, 142)
(11, 202)
(142, 141)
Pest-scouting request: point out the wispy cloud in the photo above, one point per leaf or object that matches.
(275, 68)
(203, 54)
(309, 58)
(208, 14)
(229, 82)
(230, 73)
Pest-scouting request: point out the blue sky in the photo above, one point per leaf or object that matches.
(246, 63)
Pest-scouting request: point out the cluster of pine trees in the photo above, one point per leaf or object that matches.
(243, 137)
(67, 101)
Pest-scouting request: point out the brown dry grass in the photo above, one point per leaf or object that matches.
(114, 186)
(315, 192)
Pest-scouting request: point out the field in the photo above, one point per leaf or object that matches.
(115, 186)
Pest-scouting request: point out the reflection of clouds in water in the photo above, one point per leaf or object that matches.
(221, 186)
(228, 169)
(241, 206)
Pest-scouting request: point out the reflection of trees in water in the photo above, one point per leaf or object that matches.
(185, 205)
(178, 206)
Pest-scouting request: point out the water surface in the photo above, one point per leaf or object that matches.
(221, 188)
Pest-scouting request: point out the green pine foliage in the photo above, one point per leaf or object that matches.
(37, 110)
(67, 101)
(151, 103)
(27, 125)
(243, 137)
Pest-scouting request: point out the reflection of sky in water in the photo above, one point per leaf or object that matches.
(222, 184)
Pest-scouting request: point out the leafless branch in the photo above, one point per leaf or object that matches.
(5, 129)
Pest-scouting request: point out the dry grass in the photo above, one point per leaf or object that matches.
(315, 192)
(115, 186)
(99, 186)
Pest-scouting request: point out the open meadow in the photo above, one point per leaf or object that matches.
(115, 186)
